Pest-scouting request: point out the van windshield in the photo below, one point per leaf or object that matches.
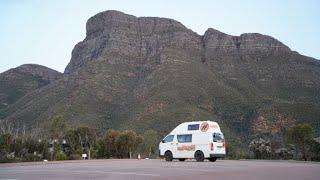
(169, 138)
(217, 137)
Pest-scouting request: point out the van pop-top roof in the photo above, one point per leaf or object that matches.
(196, 127)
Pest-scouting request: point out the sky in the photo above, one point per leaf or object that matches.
(45, 31)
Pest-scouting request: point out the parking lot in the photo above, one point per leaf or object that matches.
(160, 169)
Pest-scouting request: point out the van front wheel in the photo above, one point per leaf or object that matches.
(168, 156)
(213, 159)
(198, 155)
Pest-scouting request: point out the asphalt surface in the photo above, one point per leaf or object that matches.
(159, 169)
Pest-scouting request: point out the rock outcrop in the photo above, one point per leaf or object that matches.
(119, 35)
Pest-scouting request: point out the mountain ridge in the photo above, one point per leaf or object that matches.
(150, 72)
(105, 23)
(17, 82)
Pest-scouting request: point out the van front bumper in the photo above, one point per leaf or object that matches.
(217, 155)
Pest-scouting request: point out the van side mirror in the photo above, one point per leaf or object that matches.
(162, 141)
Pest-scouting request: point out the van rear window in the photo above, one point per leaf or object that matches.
(217, 137)
(193, 127)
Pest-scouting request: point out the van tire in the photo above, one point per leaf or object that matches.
(212, 159)
(168, 156)
(198, 155)
(182, 159)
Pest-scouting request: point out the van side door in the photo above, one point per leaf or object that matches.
(185, 147)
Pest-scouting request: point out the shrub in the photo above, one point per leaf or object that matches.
(301, 136)
(261, 148)
(60, 156)
(75, 157)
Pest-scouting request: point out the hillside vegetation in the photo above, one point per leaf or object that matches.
(153, 73)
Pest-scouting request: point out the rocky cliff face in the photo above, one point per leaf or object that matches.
(148, 72)
(249, 43)
(115, 34)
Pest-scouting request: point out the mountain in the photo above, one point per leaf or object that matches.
(147, 72)
(17, 82)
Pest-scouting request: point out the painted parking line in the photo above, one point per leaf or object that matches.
(82, 171)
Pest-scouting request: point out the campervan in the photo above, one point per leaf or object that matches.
(198, 139)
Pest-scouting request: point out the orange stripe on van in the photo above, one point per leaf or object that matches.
(186, 148)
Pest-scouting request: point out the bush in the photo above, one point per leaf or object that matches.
(30, 157)
(8, 158)
(75, 157)
(285, 153)
(301, 136)
(234, 152)
(261, 148)
(315, 151)
(60, 156)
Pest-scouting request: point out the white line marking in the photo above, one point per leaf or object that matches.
(89, 171)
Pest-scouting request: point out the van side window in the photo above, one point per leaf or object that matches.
(184, 138)
(193, 127)
(168, 139)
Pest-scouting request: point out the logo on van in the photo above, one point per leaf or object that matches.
(204, 127)
(186, 148)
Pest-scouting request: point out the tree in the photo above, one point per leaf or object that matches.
(110, 141)
(106, 146)
(72, 139)
(127, 142)
(6, 140)
(58, 127)
(150, 142)
(81, 140)
(87, 138)
(57, 130)
(301, 136)
(315, 150)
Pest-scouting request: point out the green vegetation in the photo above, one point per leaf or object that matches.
(126, 95)
(17, 82)
(302, 137)
(300, 144)
(60, 156)
(150, 143)
(72, 143)
(261, 148)
(15, 148)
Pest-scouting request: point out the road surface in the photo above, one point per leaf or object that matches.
(160, 169)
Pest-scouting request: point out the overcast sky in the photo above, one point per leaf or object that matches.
(45, 31)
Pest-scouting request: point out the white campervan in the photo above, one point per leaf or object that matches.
(198, 139)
